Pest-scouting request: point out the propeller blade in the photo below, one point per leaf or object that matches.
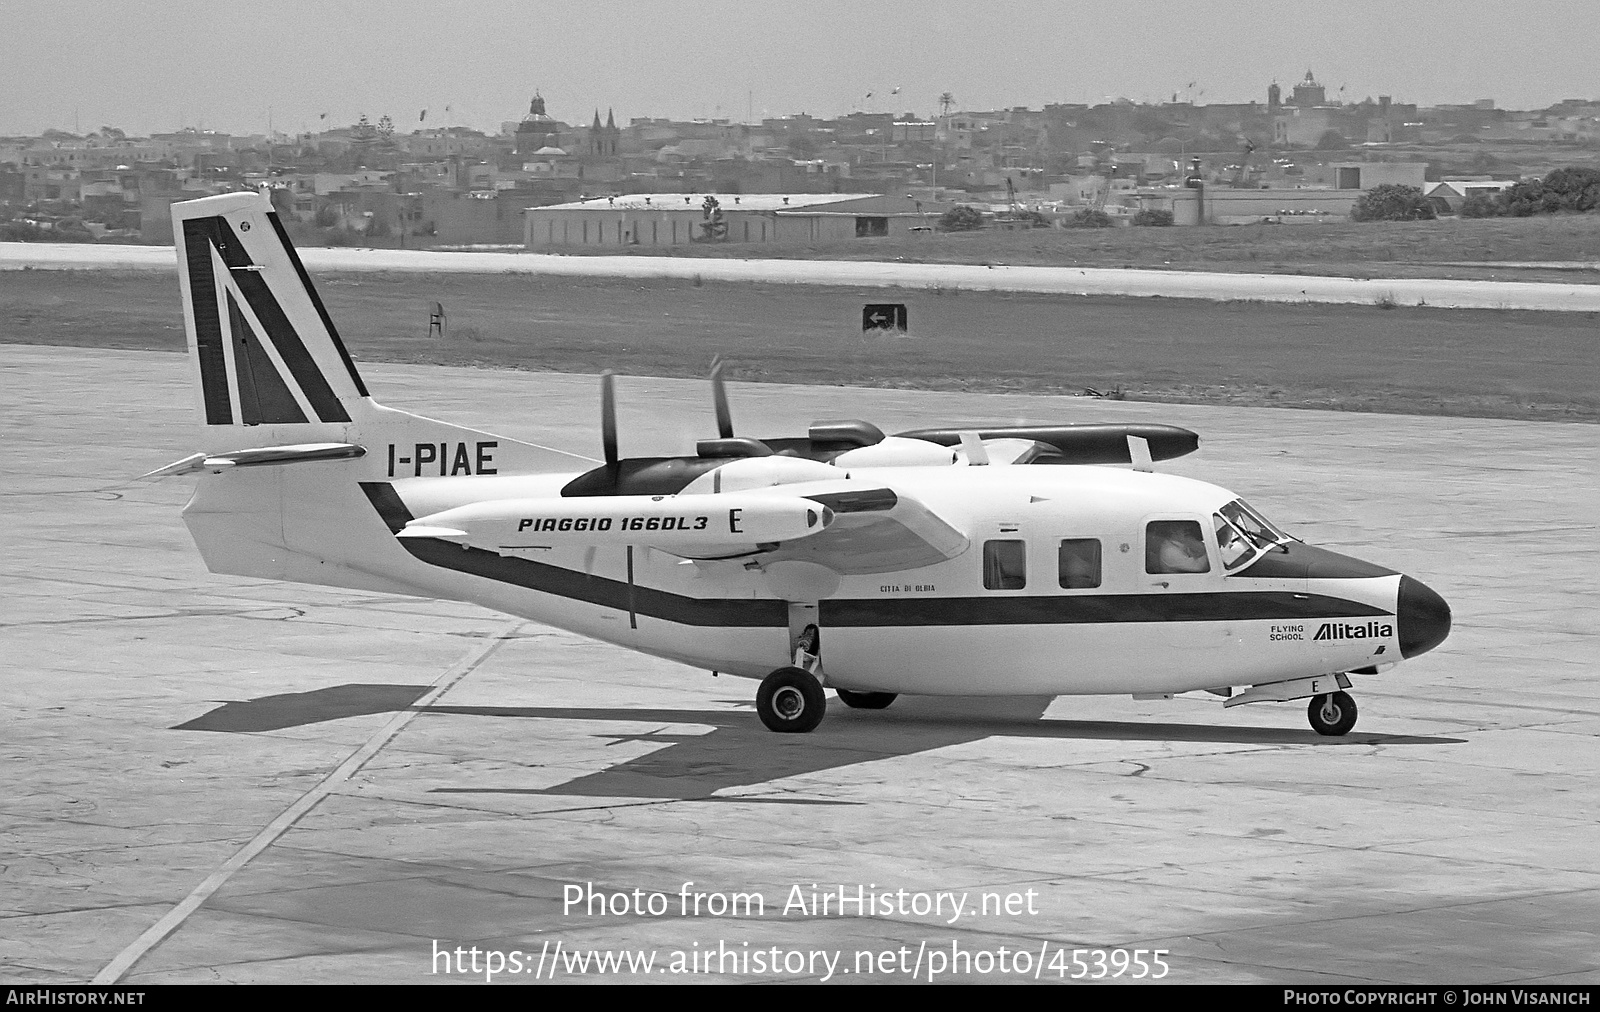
(719, 397)
(608, 415)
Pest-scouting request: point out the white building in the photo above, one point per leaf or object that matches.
(675, 219)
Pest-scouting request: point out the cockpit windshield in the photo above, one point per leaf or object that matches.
(1242, 534)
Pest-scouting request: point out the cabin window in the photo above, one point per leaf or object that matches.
(1175, 546)
(1005, 565)
(1078, 563)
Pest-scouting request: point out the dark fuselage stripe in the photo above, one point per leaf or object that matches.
(616, 594)
(1084, 609)
(389, 505)
(1090, 609)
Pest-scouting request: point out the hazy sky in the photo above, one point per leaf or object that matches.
(147, 66)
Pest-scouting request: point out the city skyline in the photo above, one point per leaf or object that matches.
(477, 66)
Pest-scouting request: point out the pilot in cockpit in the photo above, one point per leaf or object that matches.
(1175, 546)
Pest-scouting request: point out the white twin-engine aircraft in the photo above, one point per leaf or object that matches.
(941, 561)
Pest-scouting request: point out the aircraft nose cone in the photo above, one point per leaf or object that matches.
(1423, 617)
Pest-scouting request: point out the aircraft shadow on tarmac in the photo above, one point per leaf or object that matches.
(740, 752)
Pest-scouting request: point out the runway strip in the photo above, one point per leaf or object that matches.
(124, 961)
(1219, 287)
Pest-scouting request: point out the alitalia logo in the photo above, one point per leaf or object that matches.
(1348, 631)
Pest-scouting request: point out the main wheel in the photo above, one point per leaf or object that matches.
(1332, 714)
(791, 700)
(866, 700)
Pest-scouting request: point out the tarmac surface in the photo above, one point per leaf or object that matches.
(1438, 293)
(308, 784)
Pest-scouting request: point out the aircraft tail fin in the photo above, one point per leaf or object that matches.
(265, 349)
(272, 373)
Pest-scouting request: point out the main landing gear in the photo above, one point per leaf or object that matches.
(1332, 713)
(791, 700)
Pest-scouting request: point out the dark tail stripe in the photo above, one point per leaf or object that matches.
(263, 396)
(197, 242)
(316, 300)
(290, 348)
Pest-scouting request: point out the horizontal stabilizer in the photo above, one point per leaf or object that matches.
(299, 453)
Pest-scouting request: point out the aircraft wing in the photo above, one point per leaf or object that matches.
(875, 531)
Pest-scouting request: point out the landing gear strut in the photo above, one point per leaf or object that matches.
(791, 700)
(1332, 714)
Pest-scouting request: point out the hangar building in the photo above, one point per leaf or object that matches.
(675, 219)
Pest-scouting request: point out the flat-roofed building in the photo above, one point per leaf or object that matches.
(676, 219)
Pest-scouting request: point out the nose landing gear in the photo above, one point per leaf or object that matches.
(1332, 713)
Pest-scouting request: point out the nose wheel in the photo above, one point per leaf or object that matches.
(1333, 713)
(791, 701)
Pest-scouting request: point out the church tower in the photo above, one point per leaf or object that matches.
(1309, 93)
(603, 138)
(537, 130)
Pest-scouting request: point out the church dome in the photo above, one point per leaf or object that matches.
(537, 120)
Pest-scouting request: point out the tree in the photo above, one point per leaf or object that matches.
(1153, 216)
(712, 227)
(1570, 189)
(961, 218)
(1332, 140)
(282, 201)
(802, 145)
(1481, 205)
(1089, 218)
(1392, 202)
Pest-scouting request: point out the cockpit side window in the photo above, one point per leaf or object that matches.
(1256, 529)
(1236, 548)
(1175, 546)
(1005, 565)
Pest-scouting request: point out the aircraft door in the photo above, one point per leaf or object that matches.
(1180, 565)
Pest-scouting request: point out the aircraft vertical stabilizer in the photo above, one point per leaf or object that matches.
(266, 351)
